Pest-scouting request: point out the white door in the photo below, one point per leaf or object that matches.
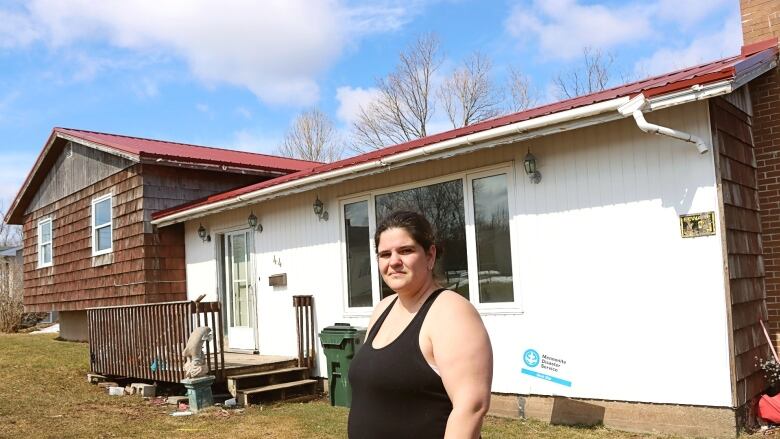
(239, 291)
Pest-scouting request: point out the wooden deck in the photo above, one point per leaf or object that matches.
(238, 364)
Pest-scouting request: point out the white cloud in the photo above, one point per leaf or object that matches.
(203, 108)
(563, 27)
(275, 48)
(709, 47)
(351, 100)
(16, 30)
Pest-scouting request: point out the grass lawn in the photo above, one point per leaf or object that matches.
(44, 394)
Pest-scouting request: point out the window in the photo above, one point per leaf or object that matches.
(442, 204)
(44, 243)
(470, 216)
(492, 240)
(358, 252)
(101, 226)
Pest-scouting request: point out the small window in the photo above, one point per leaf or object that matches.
(101, 226)
(44, 243)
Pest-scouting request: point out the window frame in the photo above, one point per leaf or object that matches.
(95, 227)
(471, 241)
(466, 177)
(41, 223)
(375, 293)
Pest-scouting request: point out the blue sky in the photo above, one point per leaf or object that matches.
(235, 73)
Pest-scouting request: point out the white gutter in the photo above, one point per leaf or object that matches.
(634, 108)
(543, 125)
(471, 139)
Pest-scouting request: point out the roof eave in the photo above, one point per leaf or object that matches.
(536, 127)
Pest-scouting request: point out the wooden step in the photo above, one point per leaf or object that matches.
(280, 391)
(236, 383)
(270, 372)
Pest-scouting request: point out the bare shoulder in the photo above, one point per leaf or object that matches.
(379, 309)
(452, 309)
(449, 301)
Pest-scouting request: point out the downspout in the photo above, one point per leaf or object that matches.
(634, 108)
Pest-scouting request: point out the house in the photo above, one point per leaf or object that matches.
(624, 282)
(86, 207)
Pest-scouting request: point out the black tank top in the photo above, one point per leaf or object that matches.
(395, 393)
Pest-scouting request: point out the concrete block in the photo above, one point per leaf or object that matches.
(144, 390)
(106, 384)
(94, 378)
(175, 400)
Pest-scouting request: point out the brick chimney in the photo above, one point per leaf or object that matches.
(761, 21)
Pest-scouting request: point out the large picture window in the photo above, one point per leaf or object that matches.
(45, 253)
(101, 225)
(471, 217)
(442, 205)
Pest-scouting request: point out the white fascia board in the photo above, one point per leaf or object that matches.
(562, 121)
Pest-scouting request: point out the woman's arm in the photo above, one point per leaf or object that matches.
(464, 357)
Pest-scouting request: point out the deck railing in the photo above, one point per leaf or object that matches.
(146, 341)
(304, 320)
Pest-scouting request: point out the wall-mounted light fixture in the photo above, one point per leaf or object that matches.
(204, 236)
(529, 162)
(254, 223)
(319, 209)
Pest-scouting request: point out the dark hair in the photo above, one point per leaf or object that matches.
(415, 224)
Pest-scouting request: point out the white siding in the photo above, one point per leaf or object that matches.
(606, 281)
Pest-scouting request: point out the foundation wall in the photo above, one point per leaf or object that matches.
(693, 421)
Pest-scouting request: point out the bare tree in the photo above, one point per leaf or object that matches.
(521, 94)
(10, 235)
(468, 95)
(11, 307)
(312, 136)
(405, 103)
(592, 76)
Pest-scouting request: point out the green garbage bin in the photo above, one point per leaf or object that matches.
(340, 342)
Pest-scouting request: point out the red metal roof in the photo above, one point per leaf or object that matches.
(154, 149)
(140, 149)
(728, 68)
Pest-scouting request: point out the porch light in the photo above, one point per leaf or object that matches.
(253, 223)
(319, 209)
(205, 237)
(530, 168)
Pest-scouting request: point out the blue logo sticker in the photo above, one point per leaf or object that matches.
(531, 358)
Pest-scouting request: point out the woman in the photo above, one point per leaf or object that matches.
(426, 366)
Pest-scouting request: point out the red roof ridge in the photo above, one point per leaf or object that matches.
(59, 129)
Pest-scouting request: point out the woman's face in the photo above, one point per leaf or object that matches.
(404, 264)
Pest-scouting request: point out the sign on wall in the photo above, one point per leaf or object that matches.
(697, 224)
(545, 367)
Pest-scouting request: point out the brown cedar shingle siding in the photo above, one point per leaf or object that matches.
(731, 129)
(73, 282)
(146, 266)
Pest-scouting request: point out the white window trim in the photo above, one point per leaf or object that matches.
(362, 311)
(508, 168)
(94, 227)
(471, 242)
(41, 262)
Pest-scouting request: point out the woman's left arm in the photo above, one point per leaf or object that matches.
(464, 357)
